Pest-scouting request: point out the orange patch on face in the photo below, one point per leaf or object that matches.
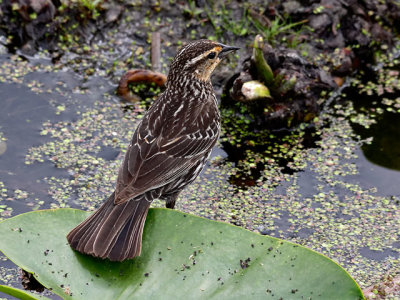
(218, 48)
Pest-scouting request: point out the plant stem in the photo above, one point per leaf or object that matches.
(263, 69)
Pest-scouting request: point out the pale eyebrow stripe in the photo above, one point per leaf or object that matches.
(200, 57)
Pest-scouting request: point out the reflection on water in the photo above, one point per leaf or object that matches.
(376, 100)
(384, 132)
(385, 147)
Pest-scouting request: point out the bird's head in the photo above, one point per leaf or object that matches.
(199, 59)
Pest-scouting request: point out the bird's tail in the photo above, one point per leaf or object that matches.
(113, 231)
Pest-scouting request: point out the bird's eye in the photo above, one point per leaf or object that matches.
(211, 55)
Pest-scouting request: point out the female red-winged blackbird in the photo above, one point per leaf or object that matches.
(167, 152)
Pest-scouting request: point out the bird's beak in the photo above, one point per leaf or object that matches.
(226, 50)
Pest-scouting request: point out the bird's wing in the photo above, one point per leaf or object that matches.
(151, 162)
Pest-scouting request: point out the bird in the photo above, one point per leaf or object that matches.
(168, 150)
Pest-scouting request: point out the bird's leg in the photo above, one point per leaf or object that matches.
(170, 200)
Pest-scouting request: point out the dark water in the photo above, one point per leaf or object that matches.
(21, 118)
(22, 114)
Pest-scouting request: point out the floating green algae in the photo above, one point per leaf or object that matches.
(338, 224)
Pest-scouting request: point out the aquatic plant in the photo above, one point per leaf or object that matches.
(182, 256)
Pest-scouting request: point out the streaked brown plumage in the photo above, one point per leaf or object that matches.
(168, 151)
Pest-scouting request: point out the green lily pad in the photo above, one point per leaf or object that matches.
(183, 256)
(23, 295)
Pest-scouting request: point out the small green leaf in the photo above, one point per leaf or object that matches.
(19, 294)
